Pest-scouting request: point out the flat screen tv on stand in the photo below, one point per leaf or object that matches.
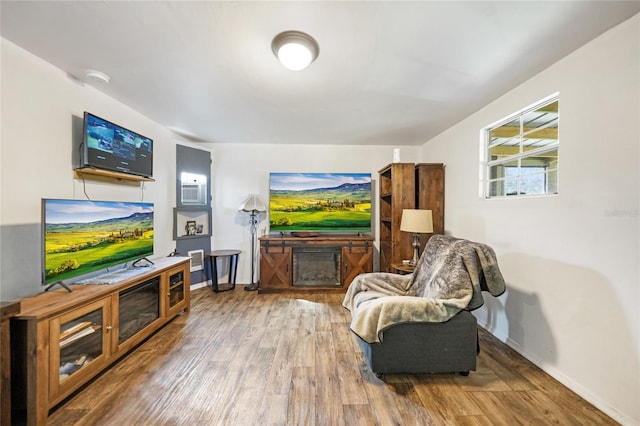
(309, 204)
(83, 237)
(108, 146)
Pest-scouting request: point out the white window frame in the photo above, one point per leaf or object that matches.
(522, 155)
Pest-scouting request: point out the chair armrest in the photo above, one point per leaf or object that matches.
(371, 317)
(376, 284)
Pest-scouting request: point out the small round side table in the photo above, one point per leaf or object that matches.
(403, 268)
(211, 265)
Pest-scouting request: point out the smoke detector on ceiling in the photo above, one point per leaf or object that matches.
(97, 76)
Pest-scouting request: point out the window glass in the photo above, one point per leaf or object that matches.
(522, 152)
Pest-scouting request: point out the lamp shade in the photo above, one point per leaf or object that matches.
(295, 49)
(417, 221)
(251, 204)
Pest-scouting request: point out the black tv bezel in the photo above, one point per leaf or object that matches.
(87, 161)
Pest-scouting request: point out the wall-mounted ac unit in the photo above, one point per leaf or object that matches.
(193, 189)
(197, 260)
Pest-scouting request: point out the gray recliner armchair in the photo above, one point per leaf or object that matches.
(421, 322)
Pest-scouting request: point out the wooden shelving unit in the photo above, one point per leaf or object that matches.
(430, 195)
(91, 172)
(407, 186)
(397, 192)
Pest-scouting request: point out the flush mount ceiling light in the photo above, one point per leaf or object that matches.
(295, 49)
(97, 76)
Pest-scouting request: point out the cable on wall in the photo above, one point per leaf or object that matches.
(84, 183)
(84, 187)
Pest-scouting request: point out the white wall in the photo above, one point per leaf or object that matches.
(241, 169)
(38, 105)
(571, 261)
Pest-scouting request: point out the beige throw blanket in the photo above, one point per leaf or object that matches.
(449, 277)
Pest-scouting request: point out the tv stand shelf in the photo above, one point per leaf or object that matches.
(61, 340)
(90, 171)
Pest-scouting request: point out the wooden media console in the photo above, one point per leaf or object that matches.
(61, 340)
(313, 264)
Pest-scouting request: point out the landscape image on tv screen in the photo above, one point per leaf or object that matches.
(323, 202)
(82, 236)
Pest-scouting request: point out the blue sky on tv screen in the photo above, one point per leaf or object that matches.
(86, 211)
(302, 181)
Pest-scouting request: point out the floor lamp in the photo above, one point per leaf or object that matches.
(253, 205)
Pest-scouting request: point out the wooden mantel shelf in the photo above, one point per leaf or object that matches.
(109, 174)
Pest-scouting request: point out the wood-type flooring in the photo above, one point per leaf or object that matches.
(242, 358)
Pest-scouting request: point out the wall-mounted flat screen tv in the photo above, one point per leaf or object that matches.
(83, 236)
(108, 146)
(320, 202)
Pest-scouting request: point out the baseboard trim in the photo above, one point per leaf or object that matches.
(202, 284)
(198, 285)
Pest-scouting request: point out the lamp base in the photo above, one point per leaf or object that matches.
(416, 250)
(252, 287)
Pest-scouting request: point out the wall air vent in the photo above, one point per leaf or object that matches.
(197, 260)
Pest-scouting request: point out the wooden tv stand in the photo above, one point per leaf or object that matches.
(61, 340)
(282, 267)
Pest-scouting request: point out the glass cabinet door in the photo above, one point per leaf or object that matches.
(79, 344)
(138, 307)
(176, 293)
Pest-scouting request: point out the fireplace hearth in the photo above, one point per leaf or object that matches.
(316, 266)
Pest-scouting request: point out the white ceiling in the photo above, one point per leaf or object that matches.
(388, 73)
